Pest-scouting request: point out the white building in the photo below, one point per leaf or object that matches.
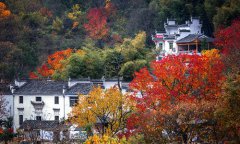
(48, 99)
(184, 38)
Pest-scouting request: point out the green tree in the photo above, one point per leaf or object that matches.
(113, 63)
(226, 13)
(228, 110)
(129, 68)
(10, 60)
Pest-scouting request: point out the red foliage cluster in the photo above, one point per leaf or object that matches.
(44, 71)
(229, 37)
(1, 130)
(228, 40)
(187, 79)
(46, 12)
(97, 23)
(32, 75)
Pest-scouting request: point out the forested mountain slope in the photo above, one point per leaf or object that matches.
(30, 30)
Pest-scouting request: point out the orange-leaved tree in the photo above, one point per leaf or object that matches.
(4, 12)
(54, 63)
(176, 96)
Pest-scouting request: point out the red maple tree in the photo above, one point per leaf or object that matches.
(176, 92)
(96, 26)
(227, 39)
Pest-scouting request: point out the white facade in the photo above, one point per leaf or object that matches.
(179, 38)
(29, 100)
(30, 109)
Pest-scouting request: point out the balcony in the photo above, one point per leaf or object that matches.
(38, 104)
(190, 52)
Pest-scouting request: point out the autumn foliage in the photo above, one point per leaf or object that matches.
(227, 39)
(4, 12)
(178, 91)
(97, 26)
(54, 63)
(105, 110)
(97, 23)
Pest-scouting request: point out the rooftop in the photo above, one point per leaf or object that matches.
(80, 88)
(51, 87)
(36, 124)
(45, 87)
(192, 37)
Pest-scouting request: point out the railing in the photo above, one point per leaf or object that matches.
(191, 52)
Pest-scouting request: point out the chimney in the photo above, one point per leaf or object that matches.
(12, 89)
(64, 89)
(19, 83)
(69, 82)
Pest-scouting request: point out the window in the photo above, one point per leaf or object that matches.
(170, 45)
(38, 98)
(73, 101)
(20, 99)
(39, 118)
(56, 100)
(56, 118)
(20, 119)
(160, 46)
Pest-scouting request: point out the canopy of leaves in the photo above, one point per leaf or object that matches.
(227, 39)
(109, 108)
(4, 12)
(228, 110)
(40, 28)
(95, 63)
(177, 91)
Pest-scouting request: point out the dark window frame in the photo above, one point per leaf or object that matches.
(56, 118)
(38, 118)
(39, 99)
(20, 119)
(21, 99)
(161, 45)
(56, 100)
(171, 45)
(73, 100)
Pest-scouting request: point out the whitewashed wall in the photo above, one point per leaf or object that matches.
(8, 102)
(29, 111)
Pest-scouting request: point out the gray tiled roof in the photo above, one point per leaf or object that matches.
(43, 87)
(36, 124)
(170, 36)
(192, 37)
(171, 25)
(80, 88)
(183, 25)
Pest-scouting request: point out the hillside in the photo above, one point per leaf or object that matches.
(30, 30)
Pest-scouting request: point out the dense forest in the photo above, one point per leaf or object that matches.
(75, 38)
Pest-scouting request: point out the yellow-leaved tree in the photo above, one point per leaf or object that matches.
(105, 110)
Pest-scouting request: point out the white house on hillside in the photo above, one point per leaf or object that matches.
(48, 99)
(184, 38)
